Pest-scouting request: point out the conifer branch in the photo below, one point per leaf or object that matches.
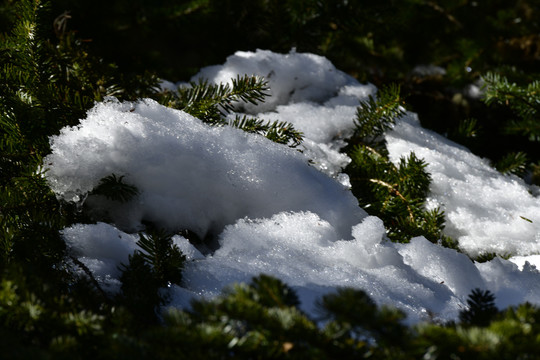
(375, 116)
(481, 308)
(88, 273)
(524, 100)
(392, 188)
(163, 255)
(513, 163)
(114, 188)
(277, 131)
(212, 103)
(395, 193)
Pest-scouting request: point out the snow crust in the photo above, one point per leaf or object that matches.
(271, 212)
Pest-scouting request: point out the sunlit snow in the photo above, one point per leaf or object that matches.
(486, 211)
(191, 176)
(272, 209)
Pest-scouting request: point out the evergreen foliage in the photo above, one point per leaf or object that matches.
(481, 308)
(395, 193)
(524, 103)
(141, 294)
(488, 256)
(513, 163)
(164, 256)
(467, 131)
(353, 313)
(48, 80)
(212, 103)
(377, 41)
(115, 189)
(375, 116)
(259, 320)
(280, 132)
(523, 100)
(157, 266)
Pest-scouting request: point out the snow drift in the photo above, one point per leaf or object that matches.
(272, 212)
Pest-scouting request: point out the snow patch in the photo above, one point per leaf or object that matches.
(190, 175)
(273, 213)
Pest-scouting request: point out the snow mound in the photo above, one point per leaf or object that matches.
(273, 213)
(291, 77)
(421, 278)
(190, 175)
(307, 91)
(426, 281)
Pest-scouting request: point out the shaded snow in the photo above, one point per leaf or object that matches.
(273, 213)
(101, 248)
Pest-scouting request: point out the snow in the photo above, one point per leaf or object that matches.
(102, 248)
(292, 77)
(485, 211)
(274, 210)
(190, 175)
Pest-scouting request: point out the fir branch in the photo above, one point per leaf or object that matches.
(468, 132)
(393, 190)
(211, 103)
(524, 100)
(273, 292)
(114, 188)
(163, 255)
(357, 313)
(396, 194)
(375, 116)
(250, 89)
(481, 308)
(513, 163)
(277, 131)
